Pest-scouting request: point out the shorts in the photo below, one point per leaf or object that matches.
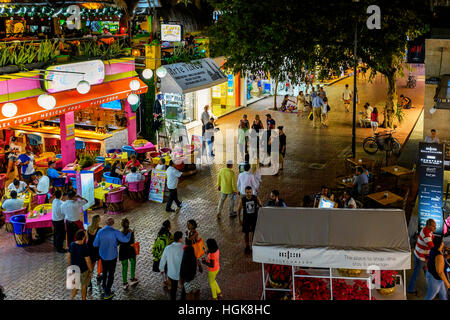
(347, 101)
(85, 279)
(193, 285)
(373, 124)
(249, 224)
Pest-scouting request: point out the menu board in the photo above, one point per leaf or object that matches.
(431, 179)
(85, 183)
(171, 32)
(157, 185)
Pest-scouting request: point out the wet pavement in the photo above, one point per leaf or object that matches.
(314, 157)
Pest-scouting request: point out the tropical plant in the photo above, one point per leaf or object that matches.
(400, 114)
(47, 50)
(86, 161)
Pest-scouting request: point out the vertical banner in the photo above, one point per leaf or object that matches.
(431, 179)
(85, 188)
(157, 185)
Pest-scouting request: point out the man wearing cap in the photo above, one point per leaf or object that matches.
(226, 183)
(27, 164)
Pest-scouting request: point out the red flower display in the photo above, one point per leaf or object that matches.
(279, 273)
(387, 278)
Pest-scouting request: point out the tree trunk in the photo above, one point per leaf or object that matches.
(275, 95)
(391, 101)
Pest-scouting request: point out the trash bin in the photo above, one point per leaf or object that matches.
(22, 237)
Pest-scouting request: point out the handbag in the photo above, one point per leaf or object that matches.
(137, 247)
(199, 248)
(311, 117)
(328, 108)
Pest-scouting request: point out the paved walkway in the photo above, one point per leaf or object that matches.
(38, 272)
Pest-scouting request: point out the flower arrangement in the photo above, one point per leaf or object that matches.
(387, 278)
(279, 275)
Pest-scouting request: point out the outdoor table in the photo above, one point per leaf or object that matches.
(100, 193)
(148, 147)
(71, 170)
(26, 197)
(123, 157)
(44, 221)
(379, 198)
(348, 183)
(364, 161)
(397, 173)
(145, 174)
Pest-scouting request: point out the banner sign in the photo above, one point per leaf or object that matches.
(416, 51)
(171, 32)
(91, 71)
(85, 188)
(331, 258)
(157, 185)
(431, 179)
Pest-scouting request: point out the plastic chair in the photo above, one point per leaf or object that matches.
(114, 201)
(74, 183)
(129, 150)
(114, 151)
(21, 235)
(40, 198)
(136, 190)
(79, 145)
(109, 179)
(9, 214)
(58, 156)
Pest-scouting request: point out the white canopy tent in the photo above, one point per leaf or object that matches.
(364, 239)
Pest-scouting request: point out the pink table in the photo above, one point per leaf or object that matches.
(41, 222)
(148, 147)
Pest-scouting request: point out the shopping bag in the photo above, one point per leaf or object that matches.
(199, 248)
(311, 117)
(137, 247)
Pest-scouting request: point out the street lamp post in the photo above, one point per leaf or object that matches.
(355, 61)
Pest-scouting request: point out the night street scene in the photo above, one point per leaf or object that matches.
(256, 152)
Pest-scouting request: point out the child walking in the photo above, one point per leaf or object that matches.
(212, 262)
(374, 120)
(127, 253)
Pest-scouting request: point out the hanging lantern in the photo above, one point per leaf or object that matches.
(9, 109)
(133, 99)
(147, 73)
(46, 101)
(136, 52)
(83, 87)
(135, 85)
(161, 72)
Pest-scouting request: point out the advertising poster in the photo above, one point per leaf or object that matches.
(85, 183)
(431, 178)
(157, 185)
(171, 32)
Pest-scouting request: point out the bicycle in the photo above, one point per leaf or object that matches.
(384, 142)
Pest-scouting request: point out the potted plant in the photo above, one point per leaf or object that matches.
(279, 275)
(349, 272)
(86, 161)
(387, 282)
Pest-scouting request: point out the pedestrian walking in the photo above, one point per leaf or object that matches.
(59, 228)
(322, 93)
(92, 231)
(257, 128)
(421, 251)
(213, 265)
(189, 278)
(325, 109)
(374, 120)
(191, 233)
(172, 175)
(346, 97)
(107, 240)
(172, 257)
(242, 141)
(72, 209)
(127, 253)
(209, 136)
(301, 103)
(250, 203)
(245, 179)
(275, 200)
(78, 255)
(317, 104)
(226, 183)
(163, 239)
(437, 268)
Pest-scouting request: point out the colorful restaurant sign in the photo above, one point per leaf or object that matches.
(90, 71)
(170, 32)
(431, 179)
(157, 184)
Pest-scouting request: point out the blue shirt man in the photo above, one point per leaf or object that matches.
(317, 102)
(52, 173)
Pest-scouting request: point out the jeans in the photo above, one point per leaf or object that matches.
(59, 234)
(435, 287)
(109, 268)
(316, 117)
(418, 266)
(215, 289)
(210, 146)
(223, 197)
(125, 269)
(173, 290)
(173, 196)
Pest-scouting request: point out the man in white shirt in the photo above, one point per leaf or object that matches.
(27, 161)
(72, 209)
(172, 183)
(17, 186)
(206, 115)
(134, 176)
(349, 202)
(43, 185)
(433, 138)
(58, 223)
(172, 256)
(347, 97)
(12, 204)
(246, 179)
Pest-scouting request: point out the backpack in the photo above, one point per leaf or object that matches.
(160, 244)
(328, 108)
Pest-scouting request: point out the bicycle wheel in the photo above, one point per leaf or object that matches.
(395, 146)
(370, 145)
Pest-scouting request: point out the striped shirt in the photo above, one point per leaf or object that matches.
(424, 244)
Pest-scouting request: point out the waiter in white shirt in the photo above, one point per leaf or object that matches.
(246, 179)
(72, 209)
(43, 185)
(58, 223)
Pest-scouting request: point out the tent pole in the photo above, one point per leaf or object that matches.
(293, 283)
(264, 282)
(331, 285)
(404, 282)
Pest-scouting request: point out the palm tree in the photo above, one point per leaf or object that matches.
(128, 6)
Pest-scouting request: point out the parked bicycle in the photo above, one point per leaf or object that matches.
(384, 142)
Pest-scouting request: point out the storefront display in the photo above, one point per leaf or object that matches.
(223, 97)
(258, 86)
